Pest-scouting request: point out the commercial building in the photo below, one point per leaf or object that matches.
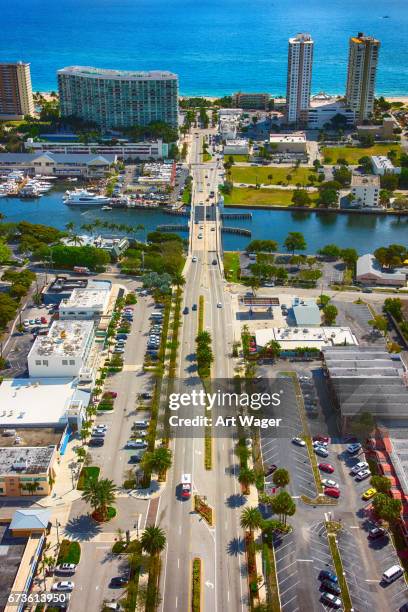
(118, 98)
(291, 339)
(228, 122)
(365, 191)
(90, 302)
(62, 287)
(299, 78)
(236, 147)
(288, 143)
(361, 75)
(23, 468)
(63, 352)
(16, 95)
(385, 131)
(322, 112)
(366, 381)
(306, 312)
(156, 149)
(382, 165)
(255, 101)
(369, 272)
(58, 164)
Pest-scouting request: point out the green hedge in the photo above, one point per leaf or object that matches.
(196, 595)
(88, 474)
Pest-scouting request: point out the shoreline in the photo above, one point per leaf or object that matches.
(390, 98)
(338, 211)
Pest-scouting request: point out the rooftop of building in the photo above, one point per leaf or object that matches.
(65, 338)
(11, 554)
(93, 295)
(381, 161)
(361, 38)
(293, 137)
(64, 283)
(360, 180)
(31, 518)
(61, 158)
(25, 459)
(126, 75)
(367, 264)
(241, 142)
(301, 37)
(398, 452)
(367, 380)
(37, 402)
(317, 337)
(31, 436)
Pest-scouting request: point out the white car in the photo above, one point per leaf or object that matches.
(327, 482)
(363, 475)
(66, 568)
(63, 585)
(361, 465)
(194, 259)
(219, 305)
(354, 448)
(298, 441)
(322, 452)
(317, 443)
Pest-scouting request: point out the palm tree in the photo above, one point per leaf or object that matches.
(31, 487)
(281, 477)
(100, 494)
(75, 240)
(153, 540)
(70, 226)
(179, 280)
(246, 476)
(251, 519)
(158, 461)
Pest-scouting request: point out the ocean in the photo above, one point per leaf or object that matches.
(215, 46)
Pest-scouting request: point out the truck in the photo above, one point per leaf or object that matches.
(81, 270)
(185, 486)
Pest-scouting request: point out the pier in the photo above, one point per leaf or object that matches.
(172, 228)
(236, 230)
(236, 215)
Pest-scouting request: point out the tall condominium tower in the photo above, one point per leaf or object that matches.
(362, 70)
(300, 61)
(118, 98)
(16, 95)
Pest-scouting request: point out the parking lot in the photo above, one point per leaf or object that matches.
(300, 557)
(356, 316)
(282, 452)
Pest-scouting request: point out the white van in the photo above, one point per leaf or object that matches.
(392, 573)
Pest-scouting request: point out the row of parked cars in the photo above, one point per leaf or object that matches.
(155, 332)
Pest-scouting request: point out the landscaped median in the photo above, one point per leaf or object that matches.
(196, 589)
(271, 577)
(69, 552)
(333, 529)
(203, 509)
(205, 343)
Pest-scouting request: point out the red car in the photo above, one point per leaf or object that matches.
(44, 321)
(320, 438)
(110, 394)
(326, 467)
(332, 492)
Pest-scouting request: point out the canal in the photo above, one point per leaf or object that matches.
(363, 232)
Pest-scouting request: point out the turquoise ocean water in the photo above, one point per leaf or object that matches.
(216, 46)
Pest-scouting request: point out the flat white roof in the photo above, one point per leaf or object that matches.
(90, 298)
(298, 137)
(292, 337)
(65, 338)
(26, 402)
(381, 161)
(120, 75)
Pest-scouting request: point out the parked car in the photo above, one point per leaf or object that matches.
(135, 458)
(194, 307)
(96, 442)
(326, 467)
(363, 475)
(332, 492)
(377, 532)
(118, 581)
(317, 444)
(269, 469)
(66, 568)
(146, 395)
(331, 587)
(328, 575)
(138, 443)
(354, 448)
(331, 600)
(328, 482)
(143, 424)
(298, 441)
(63, 585)
(322, 452)
(361, 465)
(369, 493)
(321, 438)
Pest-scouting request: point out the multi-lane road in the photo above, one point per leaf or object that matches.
(219, 547)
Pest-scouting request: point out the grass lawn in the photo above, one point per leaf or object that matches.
(69, 552)
(206, 157)
(353, 154)
(186, 197)
(231, 266)
(245, 196)
(254, 174)
(88, 474)
(237, 158)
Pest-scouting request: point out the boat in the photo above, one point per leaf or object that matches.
(106, 208)
(82, 197)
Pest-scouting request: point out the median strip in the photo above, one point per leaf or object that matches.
(332, 529)
(196, 592)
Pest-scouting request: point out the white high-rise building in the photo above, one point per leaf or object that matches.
(361, 75)
(300, 61)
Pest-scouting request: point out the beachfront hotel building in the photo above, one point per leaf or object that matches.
(299, 80)
(361, 75)
(16, 95)
(118, 98)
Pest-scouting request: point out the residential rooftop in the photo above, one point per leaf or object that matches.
(359, 180)
(120, 75)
